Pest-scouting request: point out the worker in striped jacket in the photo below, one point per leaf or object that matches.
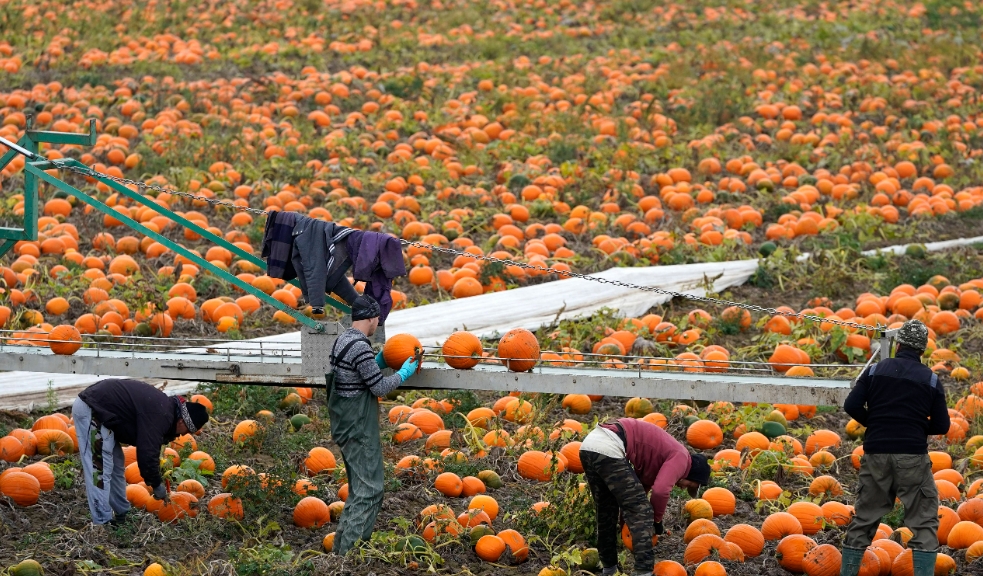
(353, 406)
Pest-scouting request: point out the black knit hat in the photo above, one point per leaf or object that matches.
(193, 414)
(699, 470)
(198, 413)
(364, 308)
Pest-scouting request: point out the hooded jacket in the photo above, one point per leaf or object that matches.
(376, 260)
(138, 414)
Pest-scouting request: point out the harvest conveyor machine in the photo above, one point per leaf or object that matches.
(278, 363)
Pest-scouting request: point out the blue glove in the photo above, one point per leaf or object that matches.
(380, 361)
(408, 369)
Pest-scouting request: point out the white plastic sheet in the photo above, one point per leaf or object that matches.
(535, 306)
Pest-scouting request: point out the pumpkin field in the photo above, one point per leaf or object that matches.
(554, 137)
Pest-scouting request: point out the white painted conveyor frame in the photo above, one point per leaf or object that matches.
(234, 368)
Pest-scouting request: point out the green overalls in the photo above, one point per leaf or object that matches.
(355, 428)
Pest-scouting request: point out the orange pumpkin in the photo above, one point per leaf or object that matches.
(225, 505)
(668, 568)
(710, 568)
(449, 484)
(137, 495)
(779, 525)
(64, 340)
(516, 545)
(244, 431)
(191, 486)
(722, 501)
(488, 504)
(462, 350)
(427, 421)
(704, 435)
(320, 459)
(49, 422)
(399, 348)
(235, 475)
(536, 465)
(698, 527)
(518, 350)
(576, 403)
(11, 449)
(964, 534)
(697, 508)
(706, 545)
(825, 486)
(809, 515)
(748, 538)
(791, 552)
(823, 560)
(43, 473)
(27, 439)
(54, 442)
(490, 548)
(311, 512)
(571, 451)
(182, 504)
(20, 487)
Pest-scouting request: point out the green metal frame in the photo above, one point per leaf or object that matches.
(34, 171)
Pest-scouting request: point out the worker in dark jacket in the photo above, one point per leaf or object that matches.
(353, 405)
(901, 402)
(114, 412)
(623, 461)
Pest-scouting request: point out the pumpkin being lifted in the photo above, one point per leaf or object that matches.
(519, 350)
(399, 348)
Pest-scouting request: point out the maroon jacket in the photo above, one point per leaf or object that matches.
(658, 459)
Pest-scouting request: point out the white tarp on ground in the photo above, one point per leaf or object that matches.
(486, 315)
(535, 306)
(27, 391)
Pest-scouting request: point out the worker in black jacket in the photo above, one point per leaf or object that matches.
(114, 412)
(902, 403)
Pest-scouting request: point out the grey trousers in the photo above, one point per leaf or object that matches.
(884, 477)
(103, 466)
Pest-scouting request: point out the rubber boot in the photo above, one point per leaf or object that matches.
(852, 557)
(923, 562)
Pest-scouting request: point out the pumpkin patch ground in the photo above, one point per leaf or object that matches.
(552, 136)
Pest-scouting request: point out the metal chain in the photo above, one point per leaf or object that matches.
(143, 185)
(707, 299)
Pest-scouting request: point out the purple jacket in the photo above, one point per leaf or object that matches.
(376, 260)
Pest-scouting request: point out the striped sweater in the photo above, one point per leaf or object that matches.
(356, 371)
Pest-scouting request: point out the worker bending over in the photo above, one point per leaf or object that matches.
(622, 461)
(114, 412)
(353, 406)
(901, 402)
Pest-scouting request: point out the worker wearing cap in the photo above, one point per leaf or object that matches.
(114, 412)
(622, 461)
(353, 406)
(901, 402)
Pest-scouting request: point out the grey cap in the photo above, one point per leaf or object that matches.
(913, 334)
